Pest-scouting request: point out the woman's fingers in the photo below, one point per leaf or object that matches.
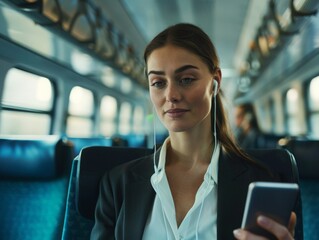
(241, 234)
(280, 231)
(292, 223)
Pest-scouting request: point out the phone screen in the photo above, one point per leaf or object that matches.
(271, 199)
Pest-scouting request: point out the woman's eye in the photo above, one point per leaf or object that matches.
(158, 84)
(186, 81)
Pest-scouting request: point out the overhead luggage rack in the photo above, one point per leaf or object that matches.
(82, 22)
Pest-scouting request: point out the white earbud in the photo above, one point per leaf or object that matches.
(215, 88)
(214, 120)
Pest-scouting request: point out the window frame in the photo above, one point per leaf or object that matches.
(50, 113)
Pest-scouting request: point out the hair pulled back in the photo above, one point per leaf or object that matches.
(195, 40)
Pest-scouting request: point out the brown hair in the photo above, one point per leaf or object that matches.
(195, 40)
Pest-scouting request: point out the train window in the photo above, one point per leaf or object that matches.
(313, 102)
(126, 85)
(138, 118)
(80, 113)
(125, 118)
(27, 103)
(292, 98)
(108, 114)
(272, 115)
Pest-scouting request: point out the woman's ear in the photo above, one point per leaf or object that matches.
(218, 77)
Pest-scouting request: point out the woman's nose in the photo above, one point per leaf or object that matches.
(173, 95)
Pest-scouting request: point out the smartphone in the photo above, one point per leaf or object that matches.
(271, 199)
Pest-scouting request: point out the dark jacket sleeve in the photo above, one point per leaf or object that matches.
(104, 212)
(124, 201)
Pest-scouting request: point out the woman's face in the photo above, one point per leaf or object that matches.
(181, 88)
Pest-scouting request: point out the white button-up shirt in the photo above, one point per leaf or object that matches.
(201, 220)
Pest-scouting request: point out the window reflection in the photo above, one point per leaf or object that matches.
(80, 113)
(125, 118)
(138, 126)
(313, 103)
(108, 115)
(314, 94)
(292, 98)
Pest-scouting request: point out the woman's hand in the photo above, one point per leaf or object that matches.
(270, 225)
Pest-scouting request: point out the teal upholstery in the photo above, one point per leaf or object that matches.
(33, 187)
(306, 152)
(32, 210)
(75, 225)
(310, 208)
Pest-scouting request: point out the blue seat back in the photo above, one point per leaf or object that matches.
(75, 226)
(33, 187)
(135, 140)
(37, 157)
(306, 153)
(86, 173)
(82, 142)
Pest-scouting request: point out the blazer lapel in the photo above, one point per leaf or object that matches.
(233, 179)
(141, 194)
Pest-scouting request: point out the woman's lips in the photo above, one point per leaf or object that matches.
(176, 112)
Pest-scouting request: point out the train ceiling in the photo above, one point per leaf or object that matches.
(247, 33)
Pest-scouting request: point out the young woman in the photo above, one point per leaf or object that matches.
(195, 185)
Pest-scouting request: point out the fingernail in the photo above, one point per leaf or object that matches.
(262, 220)
(237, 233)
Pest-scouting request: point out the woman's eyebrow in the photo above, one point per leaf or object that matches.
(179, 70)
(156, 72)
(186, 67)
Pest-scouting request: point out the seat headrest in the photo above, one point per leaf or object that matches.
(30, 158)
(93, 163)
(306, 153)
(81, 142)
(279, 160)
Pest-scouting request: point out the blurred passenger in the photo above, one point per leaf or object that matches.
(247, 131)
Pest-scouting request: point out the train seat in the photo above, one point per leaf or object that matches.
(306, 153)
(33, 186)
(89, 167)
(135, 140)
(82, 142)
(87, 170)
(268, 141)
(132, 140)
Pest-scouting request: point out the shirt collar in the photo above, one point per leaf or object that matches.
(212, 170)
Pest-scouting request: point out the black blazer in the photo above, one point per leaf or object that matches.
(126, 196)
